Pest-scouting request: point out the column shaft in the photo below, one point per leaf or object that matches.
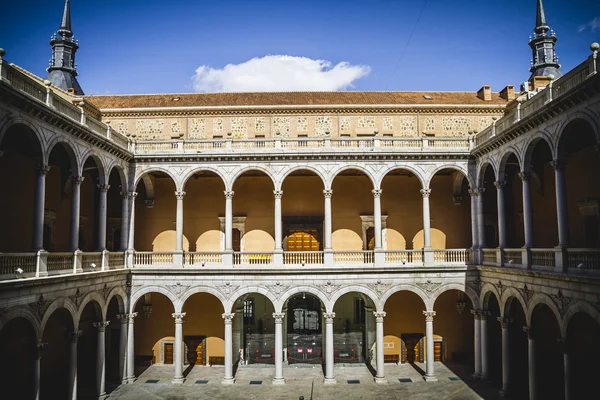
(75, 210)
(567, 374)
(426, 219)
(37, 371)
(531, 365)
(101, 359)
(72, 394)
(477, 343)
(329, 371)
(480, 219)
(228, 220)
(377, 218)
(130, 348)
(102, 217)
(131, 230)
(485, 363)
(501, 215)
(278, 237)
(278, 317)
(124, 220)
(123, 347)
(179, 221)
(327, 223)
(380, 378)
(527, 210)
(561, 204)
(429, 366)
(474, 234)
(505, 356)
(228, 378)
(178, 349)
(40, 197)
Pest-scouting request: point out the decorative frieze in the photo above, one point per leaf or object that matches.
(281, 126)
(408, 126)
(217, 126)
(147, 129)
(455, 126)
(260, 124)
(197, 128)
(239, 127)
(323, 126)
(302, 124)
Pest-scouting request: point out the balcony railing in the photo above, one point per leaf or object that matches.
(302, 257)
(404, 257)
(353, 257)
(584, 259)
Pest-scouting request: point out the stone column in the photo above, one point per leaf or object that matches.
(73, 338)
(329, 373)
(278, 237)
(278, 317)
(37, 370)
(228, 219)
(527, 210)
(75, 210)
(485, 362)
(429, 366)
(101, 358)
(477, 343)
(102, 217)
(480, 219)
(179, 221)
(178, 350)
(123, 319)
(327, 193)
(505, 323)
(474, 235)
(369, 332)
(380, 377)
(131, 230)
(561, 203)
(531, 362)
(228, 378)
(124, 219)
(566, 368)
(501, 215)
(426, 219)
(377, 218)
(40, 197)
(130, 348)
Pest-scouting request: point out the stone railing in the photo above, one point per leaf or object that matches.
(152, 259)
(202, 258)
(543, 258)
(303, 257)
(252, 258)
(116, 260)
(353, 257)
(583, 259)
(404, 257)
(453, 256)
(512, 257)
(14, 265)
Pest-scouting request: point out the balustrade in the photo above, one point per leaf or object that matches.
(454, 256)
(59, 262)
(404, 257)
(91, 261)
(353, 257)
(512, 257)
(584, 259)
(10, 263)
(303, 257)
(202, 258)
(252, 258)
(543, 258)
(116, 260)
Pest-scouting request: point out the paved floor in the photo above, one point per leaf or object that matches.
(454, 382)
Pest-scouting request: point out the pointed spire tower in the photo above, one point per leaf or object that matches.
(61, 71)
(545, 61)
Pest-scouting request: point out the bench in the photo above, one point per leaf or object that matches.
(213, 360)
(389, 358)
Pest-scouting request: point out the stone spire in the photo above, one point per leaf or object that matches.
(545, 61)
(62, 69)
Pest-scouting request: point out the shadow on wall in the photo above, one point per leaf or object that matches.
(438, 239)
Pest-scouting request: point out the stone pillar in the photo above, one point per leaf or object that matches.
(278, 234)
(474, 235)
(429, 366)
(327, 193)
(37, 370)
(501, 215)
(480, 219)
(130, 348)
(329, 372)
(228, 378)
(101, 359)
(561, 203)
(40, 197)
(485, 359)
(179, 222)
(566, 368)
(477, 343)
(131, 230)
(102, 217)
(504, 323)
(531, 362)
(527, 210)
(73, 338)
(278, 317)
(123, 319)
(75, 210)
(124, 219)
(178, 350)
(380, 377)
(426, 219)
(228, 220)
(377, 218)
(369, 332)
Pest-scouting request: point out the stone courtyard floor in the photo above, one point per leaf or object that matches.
(454, 382)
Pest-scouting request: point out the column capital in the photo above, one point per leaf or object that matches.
(76, 180)
(524, 175)
(124, 195)
(74, 336)
(278, 193)
(130, 317)
(327, 193)
(425, 193)
(101, 325)
(564, 346)
(483, 314)
(278, 317)
(504, 322)
(178, 317)
(429, 315)
(379, 315)
(329, 317)
(43, 169)
(228, 317)
(499, 184)
(474, 192)
(476, 314)
(179, 194)
(133, 195)
(103, 188)
(122, 318)
(376, 193)
(39, 350)
(528, 332)
(228, 194)
(558, 164)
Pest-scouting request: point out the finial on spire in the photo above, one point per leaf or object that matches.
(65, 23)
(541, 26)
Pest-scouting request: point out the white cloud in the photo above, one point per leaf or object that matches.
(273, 73)
(593, 25)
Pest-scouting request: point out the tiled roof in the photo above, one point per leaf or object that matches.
(288, 99)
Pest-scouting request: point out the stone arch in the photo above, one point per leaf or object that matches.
(486, 291)
(508, 296)
(69, 147)
(61, 302)
(155, 168)
(288, 294)
(11, 122)
(464, 174)
(511, 150)
(410, 288)
(200, 289)
(247, 290)
(154, 289)
(529, 146)
(357, 289)
(120, 171)
(119, 294)
(295, 168)
(482, 168)
(347, 167)
(589, 118)
(419, 174)
(242, 170)
(471, 294)
(24, 312)
(578, 306)
(189, 174)
(93, 296)
(542, 298)
(102, 170)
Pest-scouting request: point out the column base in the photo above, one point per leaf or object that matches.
(329, 381)
(430, 378)
(178, 381)
(504, 393)
(228, 381)
(102, 396)
(477, 376)
(131, 379)
(381, 379)
(278, 381)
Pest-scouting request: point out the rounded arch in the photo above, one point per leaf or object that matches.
(140, 174)
(69, 147)
(61, 302)
(530, 144)
(486, 291)
(120, 171)
(119, 294)
(154, 289)
(189, 174)
(25, 313)
(589, 118)
(471, 294)
(88, 298)
(574, 308)
(245, 169)
(11, 123)
(247, 290)
(288, 294)
(356, 289)
(542, 298)
(347, 167)
(295, 168)
(410, 288)
(481, 170)
(418, 173)
(102, 170)
(509, 151)
(200, 289)
(508, 296)
(463, 171)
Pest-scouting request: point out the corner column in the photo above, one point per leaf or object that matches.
(75, 210)
(429, 366)
(501, 216)
(73, 338)
(477, 343)
(102, 217)
(531, 363)
(131, 230)
(228, 378)
(178, 350)
(123, 319)
(329, 372)
(101, 358)
(380, 377)
(130, 348)
(278, 317)
(505, 323)
(327, 248)
(40, 197)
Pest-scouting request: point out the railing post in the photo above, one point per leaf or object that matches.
(494, 119)
(41, 263)
(561, 261)
(3, 67)
(82, 121)
(424, 142)
(77, 255)
(277, 143)
(49, 101)
(326, 142)
(593, 68)
(108, 130)
(228, 143)
(180, 146)
(105, 261)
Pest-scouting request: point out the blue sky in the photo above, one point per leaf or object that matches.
(156, 47)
